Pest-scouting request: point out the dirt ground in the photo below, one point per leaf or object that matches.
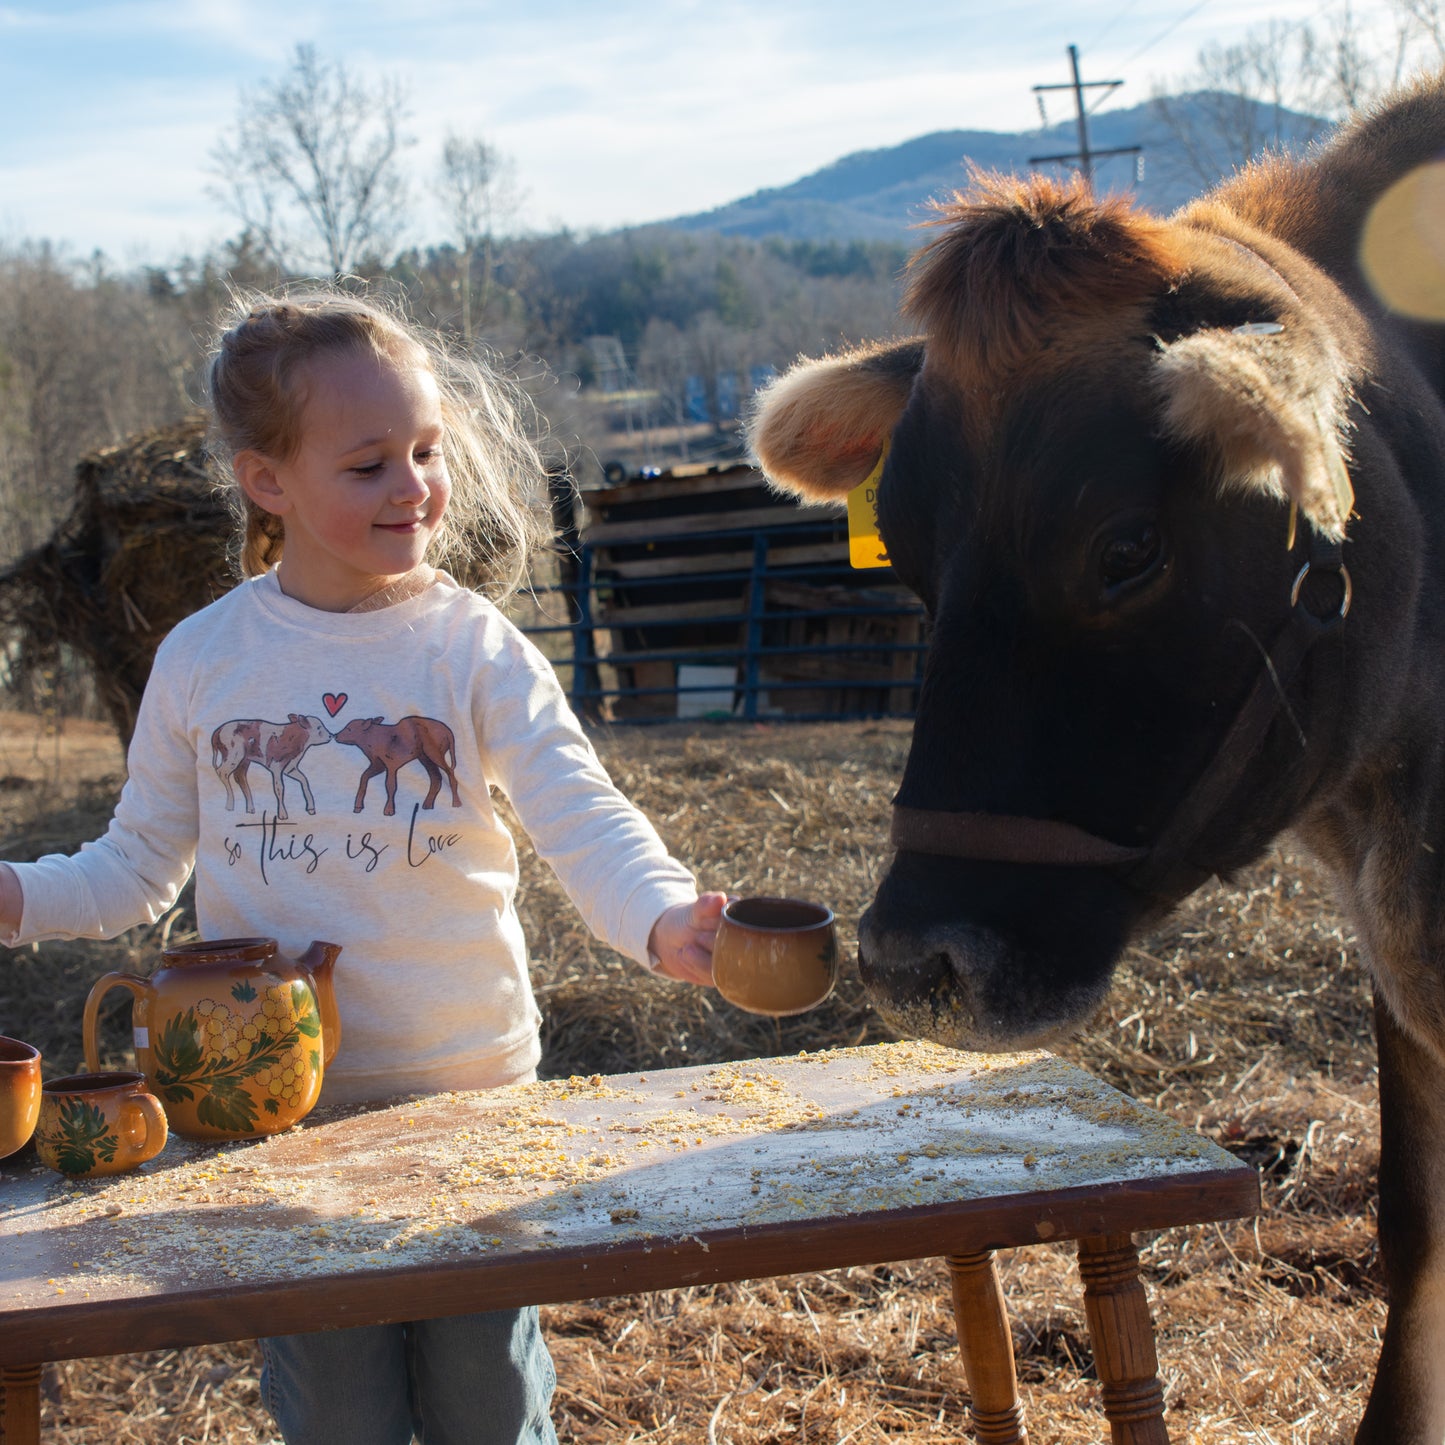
(1246, 1016)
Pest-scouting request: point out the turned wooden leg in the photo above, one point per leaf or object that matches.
(987, 1350)
(20, 1405)
(1123, 1336)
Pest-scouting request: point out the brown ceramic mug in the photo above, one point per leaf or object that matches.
(19, 1094)
(775, 956)
(94, 1124)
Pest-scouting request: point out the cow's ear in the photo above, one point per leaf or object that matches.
(820, 428)
(1271, 403)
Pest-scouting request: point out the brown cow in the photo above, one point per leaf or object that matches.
(1173, 494)
(278, 747)
(389, 747)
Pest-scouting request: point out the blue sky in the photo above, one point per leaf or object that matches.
(615, 113)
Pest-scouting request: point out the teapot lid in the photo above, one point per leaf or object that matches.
(237, 950)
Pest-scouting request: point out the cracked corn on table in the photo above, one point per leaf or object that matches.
(587, 1187)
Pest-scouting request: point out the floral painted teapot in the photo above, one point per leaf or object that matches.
(232, 1035)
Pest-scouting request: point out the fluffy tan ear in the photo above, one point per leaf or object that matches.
(819, 429)
(1273, 409)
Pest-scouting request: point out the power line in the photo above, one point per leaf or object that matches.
(1119, 15)
(1085, 155)
(1167, 31)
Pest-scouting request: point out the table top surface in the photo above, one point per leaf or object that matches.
(578, 1188)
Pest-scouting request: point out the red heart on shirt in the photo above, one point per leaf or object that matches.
(334, 701)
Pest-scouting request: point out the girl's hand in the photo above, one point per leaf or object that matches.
(681, 940)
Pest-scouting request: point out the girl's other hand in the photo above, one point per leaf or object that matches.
(681, 940)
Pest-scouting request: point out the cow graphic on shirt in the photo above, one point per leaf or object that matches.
(277, 747)
(390, 746)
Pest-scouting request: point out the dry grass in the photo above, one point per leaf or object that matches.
(1246, 1016)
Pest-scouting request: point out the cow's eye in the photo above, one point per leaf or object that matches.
(1128, 558)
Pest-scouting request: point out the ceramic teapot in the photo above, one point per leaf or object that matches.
(232, 1036)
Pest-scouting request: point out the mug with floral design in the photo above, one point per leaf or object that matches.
(95, 1124)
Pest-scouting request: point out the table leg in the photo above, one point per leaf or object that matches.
(1123, 1334)
(20, 1405)
(987, 1349)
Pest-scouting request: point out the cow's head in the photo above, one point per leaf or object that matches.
(356, 730)
(1093, 459)
(316, 731)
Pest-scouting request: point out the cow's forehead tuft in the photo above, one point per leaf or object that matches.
(1023, 268)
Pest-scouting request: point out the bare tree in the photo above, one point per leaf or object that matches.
(1260, 93)
(1277, 87)
(86, 358)
(313, 171)
(1421, 30)
(478, 189)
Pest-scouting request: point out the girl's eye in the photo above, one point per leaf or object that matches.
(1131, 557)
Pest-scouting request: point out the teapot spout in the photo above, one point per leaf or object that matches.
(318, 961)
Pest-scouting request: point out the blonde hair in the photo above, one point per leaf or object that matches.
(498, 514)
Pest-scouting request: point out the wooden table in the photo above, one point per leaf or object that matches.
(576, 1189)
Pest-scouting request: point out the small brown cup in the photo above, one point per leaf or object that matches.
(95, 1124)
(19, 1094)
(775, 956)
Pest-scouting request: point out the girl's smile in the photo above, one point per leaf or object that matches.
(367, 488)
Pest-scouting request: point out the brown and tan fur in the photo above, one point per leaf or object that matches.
(1239, 362)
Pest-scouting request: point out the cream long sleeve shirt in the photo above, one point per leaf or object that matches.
(328, 776)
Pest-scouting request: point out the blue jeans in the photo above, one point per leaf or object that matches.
(483, 1379)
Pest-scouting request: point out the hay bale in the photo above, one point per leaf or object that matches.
(143, 545)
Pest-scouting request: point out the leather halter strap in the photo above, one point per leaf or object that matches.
(1003, 838)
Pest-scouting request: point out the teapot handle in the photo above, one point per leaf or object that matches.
(137, 985)
(326, 1009)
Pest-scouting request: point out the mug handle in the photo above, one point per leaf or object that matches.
(98, 990)
(144, 1110)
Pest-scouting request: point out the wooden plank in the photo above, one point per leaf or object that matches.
(679, 482)
(809, 597)
(648, 674)
(714, 609)
(699, 524)
(644, 567)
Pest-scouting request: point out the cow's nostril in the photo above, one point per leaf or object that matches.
(917, 978)
(939, 967)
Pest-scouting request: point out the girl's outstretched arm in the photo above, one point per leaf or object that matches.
(682, 939)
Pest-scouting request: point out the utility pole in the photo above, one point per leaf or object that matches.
(1084, 155)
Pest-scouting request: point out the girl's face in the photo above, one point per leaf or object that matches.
(365, 493)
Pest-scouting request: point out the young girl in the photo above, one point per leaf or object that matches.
(379, 701)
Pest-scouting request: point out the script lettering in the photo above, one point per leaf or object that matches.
(420, 851)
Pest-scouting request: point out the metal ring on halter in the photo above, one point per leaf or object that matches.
(1344, 581)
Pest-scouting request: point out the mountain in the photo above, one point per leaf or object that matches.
(1187, 142)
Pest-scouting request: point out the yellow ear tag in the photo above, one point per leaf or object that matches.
(865, 546)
